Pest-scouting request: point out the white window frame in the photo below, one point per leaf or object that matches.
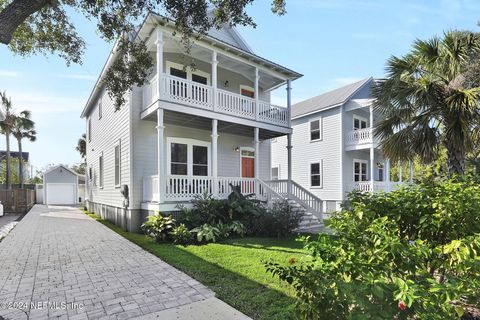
(320, 129)
(118, 145)
(89, 129)
(100, 109)
(377, 169)
(245, 87)
(190, 143)
(320, 162)
(359, 118)
(101, 169)
(366, 174)
(189, 71)
(277, 166)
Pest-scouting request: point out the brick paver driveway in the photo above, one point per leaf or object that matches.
(59, 263)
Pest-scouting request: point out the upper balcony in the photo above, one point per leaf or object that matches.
(214, 79)
(194, 94)
(360, 139)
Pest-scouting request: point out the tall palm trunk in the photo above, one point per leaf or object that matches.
(8, 175)
(455, 157)
(20, 163)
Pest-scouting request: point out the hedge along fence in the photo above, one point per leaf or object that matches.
(17, 200)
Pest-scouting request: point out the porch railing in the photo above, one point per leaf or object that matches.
(299, 194)
(366, 186)
(194, 94)
(359, 136)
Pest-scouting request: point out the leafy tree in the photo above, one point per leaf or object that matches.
(23, 128)
(6, 126)
(12, 174)
(44, 26)
(430, 99)
(79, 167)
(82, 146)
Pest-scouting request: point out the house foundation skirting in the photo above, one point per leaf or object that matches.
(118, 215)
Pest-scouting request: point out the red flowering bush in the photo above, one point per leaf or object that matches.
(411, 254)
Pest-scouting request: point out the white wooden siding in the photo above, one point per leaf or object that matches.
(106, 132)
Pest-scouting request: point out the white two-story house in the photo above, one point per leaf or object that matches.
(334, 150)
(188, 130)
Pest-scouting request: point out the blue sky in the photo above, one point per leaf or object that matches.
(331, 42)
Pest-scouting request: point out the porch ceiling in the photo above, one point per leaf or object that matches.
(197, 122)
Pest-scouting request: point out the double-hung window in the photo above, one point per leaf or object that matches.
(89, 129)
(117, 165)
(276, 173)
(316, 130)
(359, 122)
(360, 170)
(100, 109)
(188, 157)
(316, 169)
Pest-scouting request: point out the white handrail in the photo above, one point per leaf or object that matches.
(189, 92)
(236, 104)
(359, 136)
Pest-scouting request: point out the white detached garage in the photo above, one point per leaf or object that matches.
(60, 186)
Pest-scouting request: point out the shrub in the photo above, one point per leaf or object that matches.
(278, 220)
(206, 233)
(158, 226)
(409, 254)
(181, 235)
(206, 210)
(241, 207)
(238, 228)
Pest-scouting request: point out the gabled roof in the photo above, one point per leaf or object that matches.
(59, 166)
(329, 99)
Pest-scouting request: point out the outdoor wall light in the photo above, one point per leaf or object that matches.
(237, 149)
(226, 84)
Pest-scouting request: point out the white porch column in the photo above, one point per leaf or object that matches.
(214, 156)
(161, 156)
(159, 66)
(372, 153)
(411, 171)
(400, 173)
(214, 79)
(256, 92)
(289, 141)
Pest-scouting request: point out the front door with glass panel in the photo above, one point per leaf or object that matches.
(360, 171)
(247, 157)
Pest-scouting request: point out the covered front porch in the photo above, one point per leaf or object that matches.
(197, 155)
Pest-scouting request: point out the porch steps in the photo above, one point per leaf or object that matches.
(309, 223)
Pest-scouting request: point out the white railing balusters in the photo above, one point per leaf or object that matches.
(359, 136)
(366, 186)
(198, 95)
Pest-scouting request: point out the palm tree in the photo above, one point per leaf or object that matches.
(82, 146)
(23, 128)
(6, 128)
(428, 99)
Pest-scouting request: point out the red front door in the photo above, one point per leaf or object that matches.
(248, 171)
(248, 168)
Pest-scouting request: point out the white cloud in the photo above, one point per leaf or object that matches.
(10, 74)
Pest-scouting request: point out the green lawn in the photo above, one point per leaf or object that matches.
(233, 269)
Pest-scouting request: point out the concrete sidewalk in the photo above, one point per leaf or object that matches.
(58, 263)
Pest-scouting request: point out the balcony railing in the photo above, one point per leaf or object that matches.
(198, 95)
(360, 136)
(366, 186)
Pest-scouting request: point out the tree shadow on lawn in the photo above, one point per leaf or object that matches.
(296, 246)
(255, 299)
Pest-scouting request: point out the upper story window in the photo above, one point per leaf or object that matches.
(316, 169)
(178, 70)
(359, 122)
(117, 165)
(316, 130)
(247, 91)
(89, 129)
(100, 109)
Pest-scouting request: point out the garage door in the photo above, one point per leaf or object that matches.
(61, 193)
